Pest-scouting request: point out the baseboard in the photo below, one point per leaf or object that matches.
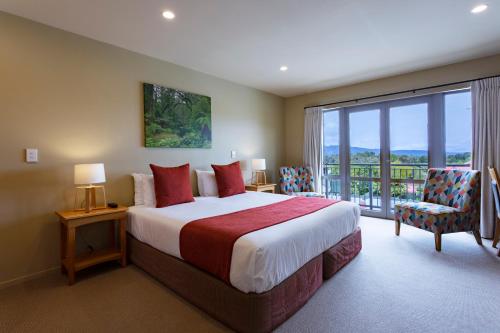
(25, 278)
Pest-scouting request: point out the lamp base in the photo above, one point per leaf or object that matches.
(258, 176)
(90, 198)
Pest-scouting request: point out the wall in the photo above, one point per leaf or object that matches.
(80, 101)
(294, 106)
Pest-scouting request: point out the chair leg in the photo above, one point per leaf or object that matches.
(437, 240)
(398, 227)
(497, 233)
(477, 235)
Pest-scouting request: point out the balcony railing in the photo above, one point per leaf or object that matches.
(407, 183)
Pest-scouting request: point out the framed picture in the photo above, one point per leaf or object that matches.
(176, 119)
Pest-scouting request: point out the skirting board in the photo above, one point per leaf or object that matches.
(29, 277)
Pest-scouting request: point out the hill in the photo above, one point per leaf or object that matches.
(334, 150)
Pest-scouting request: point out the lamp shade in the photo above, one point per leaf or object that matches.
(259, 164)
(89, 174)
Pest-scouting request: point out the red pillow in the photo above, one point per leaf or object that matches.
(172, 185)
(229, 179)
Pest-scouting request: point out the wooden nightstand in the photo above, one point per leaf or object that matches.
(70, 220)
(261, 187)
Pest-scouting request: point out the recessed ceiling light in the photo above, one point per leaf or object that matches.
(283, 68)
(479, 9)
(168, 15)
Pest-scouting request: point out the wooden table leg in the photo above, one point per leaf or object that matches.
(64, 235)
(70, 254)
(112, 235)
(123, 240)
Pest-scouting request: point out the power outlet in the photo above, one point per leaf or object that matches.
(31, 155)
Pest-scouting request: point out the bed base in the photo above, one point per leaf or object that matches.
(243, 312)
(341, 254)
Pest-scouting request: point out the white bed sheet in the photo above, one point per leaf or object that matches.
(263, 258)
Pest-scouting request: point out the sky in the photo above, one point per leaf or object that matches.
(458, 122)
(408, 126)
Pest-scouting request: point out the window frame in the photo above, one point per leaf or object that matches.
(436, 139)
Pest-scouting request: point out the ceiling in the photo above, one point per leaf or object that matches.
(325, 43)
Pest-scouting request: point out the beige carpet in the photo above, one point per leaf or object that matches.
(396, 284)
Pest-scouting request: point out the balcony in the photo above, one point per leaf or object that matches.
(406, 184)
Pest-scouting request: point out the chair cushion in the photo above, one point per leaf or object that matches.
(433, 217)
(429, 208)
(306, 194)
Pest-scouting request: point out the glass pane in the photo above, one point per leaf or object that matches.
(331, 160)
(408, 152)
(364, 138)
(458, 125)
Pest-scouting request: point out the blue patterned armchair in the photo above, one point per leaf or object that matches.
(297, 181)
(451, 203)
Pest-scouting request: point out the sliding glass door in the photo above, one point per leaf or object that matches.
(364, 174)
(409, 154)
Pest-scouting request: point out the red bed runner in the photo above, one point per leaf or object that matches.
(208, 243)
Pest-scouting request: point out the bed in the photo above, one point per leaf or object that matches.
(273, 272)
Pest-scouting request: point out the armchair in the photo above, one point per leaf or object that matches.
(297, 181)
(450, 204)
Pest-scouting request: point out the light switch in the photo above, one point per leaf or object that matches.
(233, 153)
(31, 155)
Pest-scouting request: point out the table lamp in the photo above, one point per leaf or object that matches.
(86, 175)
(259, 173)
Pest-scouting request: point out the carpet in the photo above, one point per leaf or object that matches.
(396, 284)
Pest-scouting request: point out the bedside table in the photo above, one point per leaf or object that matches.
(261, 187)
(71, 220)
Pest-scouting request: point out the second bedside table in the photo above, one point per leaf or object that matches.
(261, 187)
(71, 220)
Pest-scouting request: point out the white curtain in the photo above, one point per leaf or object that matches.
(486, 143)
(313, 142)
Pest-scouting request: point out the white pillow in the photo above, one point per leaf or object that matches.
(207, 185)
(138, 189)
(149, 190)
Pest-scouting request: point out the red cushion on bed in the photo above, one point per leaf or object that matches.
(172, 185)
(229, 179)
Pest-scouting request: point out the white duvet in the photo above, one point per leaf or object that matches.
(261, 259)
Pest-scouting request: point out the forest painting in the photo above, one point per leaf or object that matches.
(176, 119)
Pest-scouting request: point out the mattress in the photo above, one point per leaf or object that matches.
(261, 259)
